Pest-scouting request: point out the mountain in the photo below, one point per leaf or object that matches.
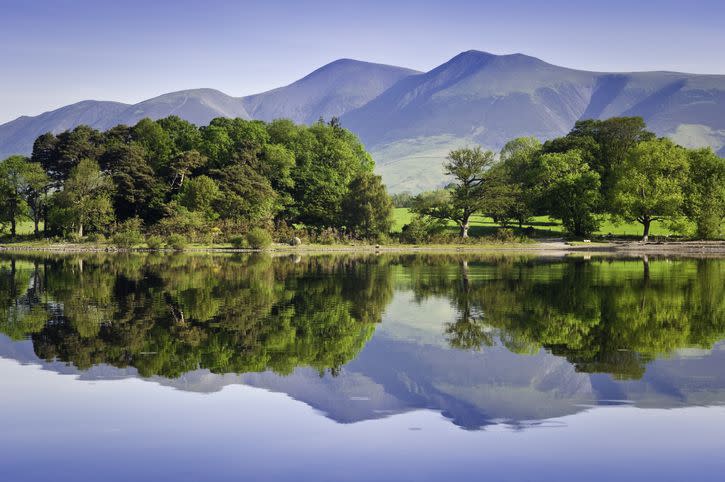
(481, 98)
(17, 136)
(410, 120)
(198, 106)
(332, 90)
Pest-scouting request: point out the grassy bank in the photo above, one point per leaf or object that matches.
(543, 226)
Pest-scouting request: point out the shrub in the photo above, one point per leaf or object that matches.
(504, 235)
(327, 236)
(128, 234)
(154, 242)
(96, 238)
(127, 239)
(177, 242)
(258, 238)
(238, 242)
(422, 230)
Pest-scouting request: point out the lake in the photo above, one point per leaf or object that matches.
(393, 367)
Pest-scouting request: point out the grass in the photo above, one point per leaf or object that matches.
(543, 226)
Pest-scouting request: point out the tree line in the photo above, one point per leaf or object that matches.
(172, 177)
(613, 167)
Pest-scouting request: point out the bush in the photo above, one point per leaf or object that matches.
(155, 242)
(127, 239)
(238, 242)
(505, 235)
(177, 242)
(96, 238)
(258, 238)
(128, 234)
(422, 230)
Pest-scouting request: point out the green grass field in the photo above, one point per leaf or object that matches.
(480, 225)
(23, 228)
(543, 226)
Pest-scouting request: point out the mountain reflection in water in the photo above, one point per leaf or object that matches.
(481, 339)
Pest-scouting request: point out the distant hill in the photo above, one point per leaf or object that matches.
(410, 120)
(17, 136)
(480, 98)
(329, 91)
(198, 106)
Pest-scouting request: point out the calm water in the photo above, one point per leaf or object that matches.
(191, 368)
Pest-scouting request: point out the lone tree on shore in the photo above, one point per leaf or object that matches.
(651, 185)
(465, 197)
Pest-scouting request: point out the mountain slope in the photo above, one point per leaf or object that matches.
(198, 106)
(480, 98)
(17, 136)
(331, 90)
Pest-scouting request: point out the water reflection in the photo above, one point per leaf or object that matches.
(480, 339)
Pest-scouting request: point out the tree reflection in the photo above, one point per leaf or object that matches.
(167, 315)
(603, 316)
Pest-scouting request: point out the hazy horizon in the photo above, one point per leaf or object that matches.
(56, 53)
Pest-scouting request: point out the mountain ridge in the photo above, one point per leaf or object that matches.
(409, 120)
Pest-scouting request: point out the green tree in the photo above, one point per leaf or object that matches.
(181, 166)
(246, 196)
(155, 141)
(35, 193)
(13, 185)
(367, 208)
(705, 193)
(570, 191)
(200, 194)
(60, 155)
(652, 183)
(605, 145)
(138, 191)
(468, 168)
(514, 180)
(85, 201)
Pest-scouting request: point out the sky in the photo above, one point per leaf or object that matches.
(56, 52)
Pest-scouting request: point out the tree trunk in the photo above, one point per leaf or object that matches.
(12, 226)
(464, 225)
(36, 229)
(80, 230)
(646, 221)
(464, 230)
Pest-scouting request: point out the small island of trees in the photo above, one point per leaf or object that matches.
(169, 182)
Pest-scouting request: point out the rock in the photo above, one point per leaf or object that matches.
(295, 241)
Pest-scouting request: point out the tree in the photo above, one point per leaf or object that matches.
(246, 196)
(35, 192)
(604, 145)
(510, 186)
(652, 184)
(138, 192)
(155, 141)
(570, 191)
(85, 201)
(199, 195)
(183, 165)
(327, 160)
(705, 192)
(58, 157)
(467, 167)
(13, 184)
(367, 208)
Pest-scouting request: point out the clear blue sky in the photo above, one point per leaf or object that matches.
(55, 52)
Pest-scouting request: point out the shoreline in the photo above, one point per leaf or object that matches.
(544, 247)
